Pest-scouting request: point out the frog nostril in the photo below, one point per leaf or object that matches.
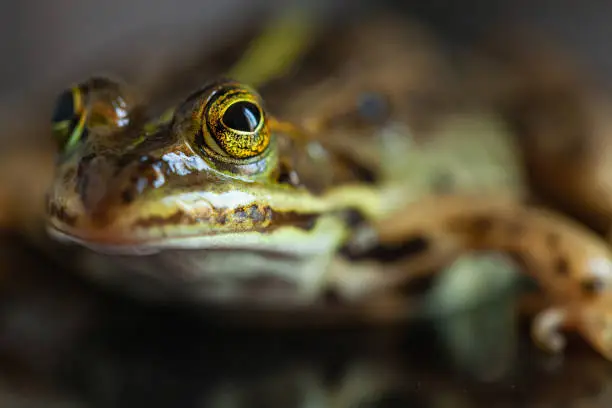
(242, 116)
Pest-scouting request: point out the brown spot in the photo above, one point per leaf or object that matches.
(482, 225)
(591, 286)
(561, 266)
(127, 196)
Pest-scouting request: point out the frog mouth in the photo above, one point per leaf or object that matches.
(142, 230)
(147, 242)
(131, 245)
(111, 248)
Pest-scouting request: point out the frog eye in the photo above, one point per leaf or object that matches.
(232, 123)
(68, 118)
(242, 116)
(97, 103)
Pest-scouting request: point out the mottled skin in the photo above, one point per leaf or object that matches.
(560, 114)
(209, 212)
(159, 188)
(572, 264)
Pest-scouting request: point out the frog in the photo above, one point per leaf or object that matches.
(559, 113)
(88, 205)
(218, 202)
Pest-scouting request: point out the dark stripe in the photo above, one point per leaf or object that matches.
(263, 219)
(412, 246)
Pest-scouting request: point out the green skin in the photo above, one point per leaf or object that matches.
(155, 196)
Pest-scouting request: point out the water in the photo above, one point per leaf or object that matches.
(65, 344)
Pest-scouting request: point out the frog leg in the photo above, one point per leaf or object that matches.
(572, 265)
(594, 322)
(546, 327)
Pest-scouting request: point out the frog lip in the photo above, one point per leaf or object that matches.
(135, 230)
(109, 243)
(124, 243)
(102, 244)
(131, 232)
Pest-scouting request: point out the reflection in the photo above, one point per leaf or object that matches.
(482, 340)
(104, 351)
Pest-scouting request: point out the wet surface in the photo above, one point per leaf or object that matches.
(66, 344)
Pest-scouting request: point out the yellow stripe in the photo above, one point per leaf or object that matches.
(77, 99)
(77, 132)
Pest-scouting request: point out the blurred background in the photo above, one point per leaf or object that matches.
(48, 45)
(62, 344)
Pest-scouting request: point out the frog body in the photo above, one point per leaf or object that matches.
(331, 207)
(222, 203)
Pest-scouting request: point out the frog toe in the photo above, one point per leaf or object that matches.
(546, 329)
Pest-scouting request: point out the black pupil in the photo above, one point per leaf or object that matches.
(242, 116)
(64, 107)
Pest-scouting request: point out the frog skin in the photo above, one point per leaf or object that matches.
(346, 87)
(341, 186)
(560, 116)
(128, 187)
(207, 205)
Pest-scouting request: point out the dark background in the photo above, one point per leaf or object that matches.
(48, 44)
